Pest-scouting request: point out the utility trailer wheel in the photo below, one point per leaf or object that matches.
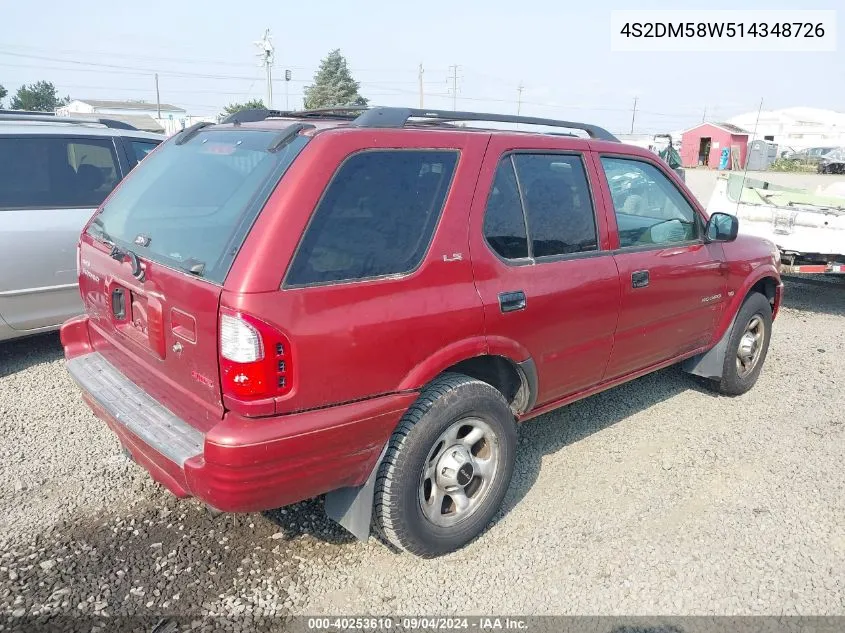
(447, 467)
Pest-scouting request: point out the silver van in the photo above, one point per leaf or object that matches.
(54, 173)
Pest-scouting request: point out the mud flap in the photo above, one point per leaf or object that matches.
(352, 508)
(711, 363)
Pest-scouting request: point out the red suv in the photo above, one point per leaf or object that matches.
(366, 303)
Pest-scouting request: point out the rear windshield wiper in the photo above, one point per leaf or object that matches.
(194, 266)
(104, 236)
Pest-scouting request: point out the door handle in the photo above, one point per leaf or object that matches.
(639, 279)
(512, 301)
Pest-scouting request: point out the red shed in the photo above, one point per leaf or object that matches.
(703, 144)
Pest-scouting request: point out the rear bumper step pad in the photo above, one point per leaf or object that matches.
(140, 414)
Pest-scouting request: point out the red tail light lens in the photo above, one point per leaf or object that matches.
(255, 358)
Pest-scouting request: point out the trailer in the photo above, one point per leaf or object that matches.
(807, 228)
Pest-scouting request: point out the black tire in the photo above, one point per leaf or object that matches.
(732, 383)
(398, 514)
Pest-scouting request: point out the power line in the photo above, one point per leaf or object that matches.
(151, 72)
(388, 87)
(183, 60)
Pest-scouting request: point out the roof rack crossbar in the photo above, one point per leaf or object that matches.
(398, 117)
(48, 117)
(251, 115)
(285, 136)
(190, 132)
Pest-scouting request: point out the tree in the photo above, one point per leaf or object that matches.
(333, 85)
(237, 107)
(3, 93)
(40, 96)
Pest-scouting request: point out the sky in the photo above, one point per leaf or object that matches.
(559, 51)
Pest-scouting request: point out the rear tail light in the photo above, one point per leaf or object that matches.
(255, 359)
(239, 341)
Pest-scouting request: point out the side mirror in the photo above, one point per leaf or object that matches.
(721, 227)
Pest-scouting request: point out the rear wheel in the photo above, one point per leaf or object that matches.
(747, 347)
(447, 468)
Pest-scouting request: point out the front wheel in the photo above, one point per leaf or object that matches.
(747, 347)
(447, 468)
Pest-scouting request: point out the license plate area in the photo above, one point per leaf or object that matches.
(142, 319)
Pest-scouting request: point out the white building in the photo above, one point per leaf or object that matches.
(796, 128)
(142, 114)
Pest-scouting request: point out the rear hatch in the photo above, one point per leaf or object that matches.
(154, 259)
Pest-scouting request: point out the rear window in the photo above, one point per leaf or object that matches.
(191, 206)
(376, 218)
(41, 172)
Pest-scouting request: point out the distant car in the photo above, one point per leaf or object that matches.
(811, 155)
(833, 162)
(56, 172)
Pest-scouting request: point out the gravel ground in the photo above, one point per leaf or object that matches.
(653, 498)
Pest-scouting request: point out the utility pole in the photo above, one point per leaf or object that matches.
(158, 98)
(519, 98)
(633, 115)
(265, 54)
(704, 116)
(454, 78)
(420, 77)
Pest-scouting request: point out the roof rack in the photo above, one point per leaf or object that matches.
(259, 114)
(398, 117)
(390, 117)
(48, 117)
(27, 112)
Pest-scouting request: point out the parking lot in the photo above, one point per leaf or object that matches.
(655, 497)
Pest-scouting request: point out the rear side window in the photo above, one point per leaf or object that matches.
(376, 217)
(550, 194)
(557, 203)
(190, 206)
(42, 172)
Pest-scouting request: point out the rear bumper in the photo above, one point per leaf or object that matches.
(242, 465)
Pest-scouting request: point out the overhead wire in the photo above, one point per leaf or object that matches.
(393, 88)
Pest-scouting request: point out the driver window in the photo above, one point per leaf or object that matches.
(649, 208)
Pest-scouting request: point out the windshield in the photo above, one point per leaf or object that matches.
(191, 206)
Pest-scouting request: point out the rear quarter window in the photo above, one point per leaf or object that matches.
(376, 217)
